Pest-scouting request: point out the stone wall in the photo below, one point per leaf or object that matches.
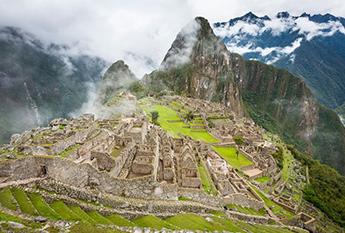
(243, 200)
(200, 196)
(85, 176)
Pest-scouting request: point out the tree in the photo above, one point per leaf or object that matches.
(189, 116)
(154, 117)
(239, 141)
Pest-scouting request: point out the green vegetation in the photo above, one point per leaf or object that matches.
(279, 157)
(276, 209)
(182, 198)
(99, 218)
(69, 150)
(42, 207)
(172, 123)
(263, 179)
(61, 209)
(326, 189)
(206, 180)
(115, 152)
(239, 140)
(7, 200)
(229, 154)
(192, 222)
(82, 214)
(120, 221)
(154, 117)
(246, 210)
(23, 201)
(83, 227)
(153, 221)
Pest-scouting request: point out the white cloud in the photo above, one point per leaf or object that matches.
(146, 28)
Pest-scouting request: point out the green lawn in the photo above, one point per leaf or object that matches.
(195, 222)
(263, 179)
(229, 154)
(82, 214)
(206, 180)
(7, 200)
(120, 221)
(99, 218)
(23, 201)
(175, 129)
(61, 209)
(227, 224)
(42, 207)
(246, 210)
(153, 222)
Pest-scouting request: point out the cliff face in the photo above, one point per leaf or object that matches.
(200, 66)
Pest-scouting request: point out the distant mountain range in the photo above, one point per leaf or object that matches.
(310, 46)
(40, 81)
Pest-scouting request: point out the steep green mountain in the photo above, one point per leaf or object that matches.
(39, 81)
(199, 65)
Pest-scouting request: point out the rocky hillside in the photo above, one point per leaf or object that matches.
(202, 67)
(118, 76)
(40, 81)
(198, 65)
(309, 46)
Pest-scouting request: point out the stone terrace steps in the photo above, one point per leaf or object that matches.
(158, 207)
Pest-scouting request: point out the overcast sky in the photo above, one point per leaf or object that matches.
(114, 28)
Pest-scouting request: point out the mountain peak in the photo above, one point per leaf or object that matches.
(283, 14)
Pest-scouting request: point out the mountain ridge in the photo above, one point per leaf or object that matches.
(309, 46)
(275, 99)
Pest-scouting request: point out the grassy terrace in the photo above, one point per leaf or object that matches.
(229, 154)
(59, 210)
(172, 123)
(206, 180)
(246, 210)
(263, 179)
(276, 209)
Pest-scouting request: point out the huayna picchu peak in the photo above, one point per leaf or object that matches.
(210, 141)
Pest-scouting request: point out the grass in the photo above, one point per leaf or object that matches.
(206, 180)
(23, 201)
(263, 179)
(42, 207)
(87, 228)
(194, 222)
(69, 150)
(115, 152)
(175, 129)
(227, 224)
(153, 222)
(183, 198)
(7, 200)
(13, 218)
(61, 209)
(276, 209)
(120, 221)
(82, 214)
(229, 154)
(99, 218)
(246, 210)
